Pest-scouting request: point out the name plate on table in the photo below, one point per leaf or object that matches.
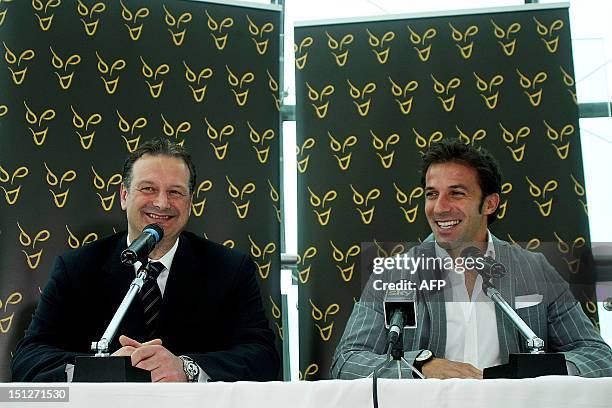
(527, 365)
(108, 369)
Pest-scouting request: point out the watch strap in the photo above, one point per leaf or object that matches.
(419, 361)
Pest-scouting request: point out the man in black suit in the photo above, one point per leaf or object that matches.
(211, 324)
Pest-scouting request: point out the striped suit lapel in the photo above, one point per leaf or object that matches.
(436, 309)
(507, 333)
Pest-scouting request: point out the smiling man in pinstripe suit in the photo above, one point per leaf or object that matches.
(459, 330)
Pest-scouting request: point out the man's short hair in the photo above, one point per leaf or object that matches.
(455, 151)
(159, 147)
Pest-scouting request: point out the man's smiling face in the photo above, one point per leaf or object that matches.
(158, 193)
(453, 201)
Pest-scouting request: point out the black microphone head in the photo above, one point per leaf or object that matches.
(155, 230)
(403, 299)
(497, 270)
(142, 246)
(471, 252)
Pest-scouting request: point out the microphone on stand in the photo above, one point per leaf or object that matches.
(103, 367)
(520, 365)
(142, 246)
(491, 268)
(400, 312)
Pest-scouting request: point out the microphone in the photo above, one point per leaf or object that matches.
(400, 312)
(142, 246)
(491, 268)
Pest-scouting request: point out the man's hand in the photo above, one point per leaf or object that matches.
(441, 368)
(129, 345)
(163, 365)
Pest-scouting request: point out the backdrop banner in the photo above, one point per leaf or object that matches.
(373, 95)
(83, 83)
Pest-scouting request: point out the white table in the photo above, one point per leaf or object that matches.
(542, 392)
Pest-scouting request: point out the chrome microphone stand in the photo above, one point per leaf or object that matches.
(101, 346)
(536, 362)
(102, 367)
(395, 352)
(535, 345)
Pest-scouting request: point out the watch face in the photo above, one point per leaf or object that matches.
(192, 370)
(424, 356)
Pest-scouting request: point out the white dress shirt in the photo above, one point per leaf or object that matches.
(166, 260)
(471, 324)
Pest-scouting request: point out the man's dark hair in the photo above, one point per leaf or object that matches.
(159, 147)
(455, 151)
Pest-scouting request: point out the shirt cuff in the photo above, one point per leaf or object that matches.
(203, 377)
(571, 368)
(69, 370)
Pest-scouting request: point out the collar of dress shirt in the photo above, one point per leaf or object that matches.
(166, 259)
(442, 253)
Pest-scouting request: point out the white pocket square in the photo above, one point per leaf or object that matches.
(523, 301)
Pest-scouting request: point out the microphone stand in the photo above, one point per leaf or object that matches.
(523, 365)
(395, 352)
(111, 368)
(101, 346)
(534, 343)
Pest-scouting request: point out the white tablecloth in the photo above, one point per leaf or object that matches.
(537, 393)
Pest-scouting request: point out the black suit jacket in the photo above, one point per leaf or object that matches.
(211, 311)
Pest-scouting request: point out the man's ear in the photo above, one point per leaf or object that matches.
(123, 192)
(491, 202)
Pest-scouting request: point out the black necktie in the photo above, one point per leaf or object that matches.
(151, 298)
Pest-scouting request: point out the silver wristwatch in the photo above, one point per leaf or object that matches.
(191, 369)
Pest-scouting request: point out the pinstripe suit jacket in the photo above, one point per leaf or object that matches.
(558, 319)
